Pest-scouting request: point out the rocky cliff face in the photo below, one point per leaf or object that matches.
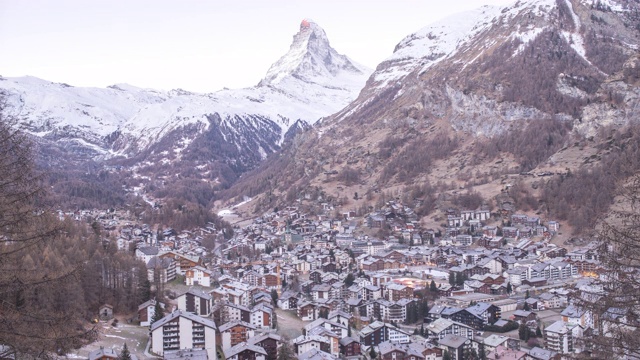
(495, 65)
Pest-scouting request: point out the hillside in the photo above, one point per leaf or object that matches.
(495, 97)
(151, 139)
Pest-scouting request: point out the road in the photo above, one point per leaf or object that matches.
(289, 325)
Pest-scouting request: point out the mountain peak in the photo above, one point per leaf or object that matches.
(310, 59)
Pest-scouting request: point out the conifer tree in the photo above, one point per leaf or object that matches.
(125, 354)
(158, 312)
(432, 286)
(446, 355)
(482, 354)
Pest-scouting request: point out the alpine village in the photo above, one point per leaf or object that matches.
(473, 197)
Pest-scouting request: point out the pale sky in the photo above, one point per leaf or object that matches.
(199, 46)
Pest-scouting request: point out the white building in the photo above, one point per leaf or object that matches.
(560, 337)
(145, 253)
(397, 335)
(183, 330)
(198, 276)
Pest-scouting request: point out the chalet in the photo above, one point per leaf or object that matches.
(374, 334)
(440, 328)
(270, 342)
(231, 312)
(103, 354)
(455, 345)
(394, 351)
(490, 231)
(332, 338)
(372, 265)
(532, 303)
(198, 275)
(493, 341)
(467, 271)
(316, 277)
(244, 351)
(551, 301)
(349, 347)
(106, 312)
(329, 267)
(303, 343)
(488, 313)
(183, 262)
(234, 333)
(195, 302)
(320, 291)
(262, 316)
(477, 286)
(510, 232)
(376, 221)
(146, 311)
(306, 286)
(270, 281)
(395, 292)
(523, 316)
(476, 316)
(288, 300)
(307, 311)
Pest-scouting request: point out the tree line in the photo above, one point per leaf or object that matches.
(54, 275)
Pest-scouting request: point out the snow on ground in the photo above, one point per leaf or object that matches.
(301, 92)
(611, 4)
(437, 273)
(225, 212)
(231, 211)
(442, 39)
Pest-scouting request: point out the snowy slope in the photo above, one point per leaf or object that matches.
(445, 38)
(297, 87)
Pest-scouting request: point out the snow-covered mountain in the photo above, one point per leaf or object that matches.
(487, 67)
(468, 79)
(311, 81)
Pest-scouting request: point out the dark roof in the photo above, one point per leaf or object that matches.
(234, 350)
(99, 353)
(191, 354)
(453, 341)
(347, 340)
(149, 250)
(179, 313)
(197, 293)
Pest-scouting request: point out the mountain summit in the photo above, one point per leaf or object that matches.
(311, 59)
(230, 131)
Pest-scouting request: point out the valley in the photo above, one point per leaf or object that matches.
(473, 197)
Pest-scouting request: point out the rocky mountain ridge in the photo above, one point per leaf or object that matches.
(124, 121)
(472, 100)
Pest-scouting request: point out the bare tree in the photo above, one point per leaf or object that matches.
(613, 300)
(37, 317)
